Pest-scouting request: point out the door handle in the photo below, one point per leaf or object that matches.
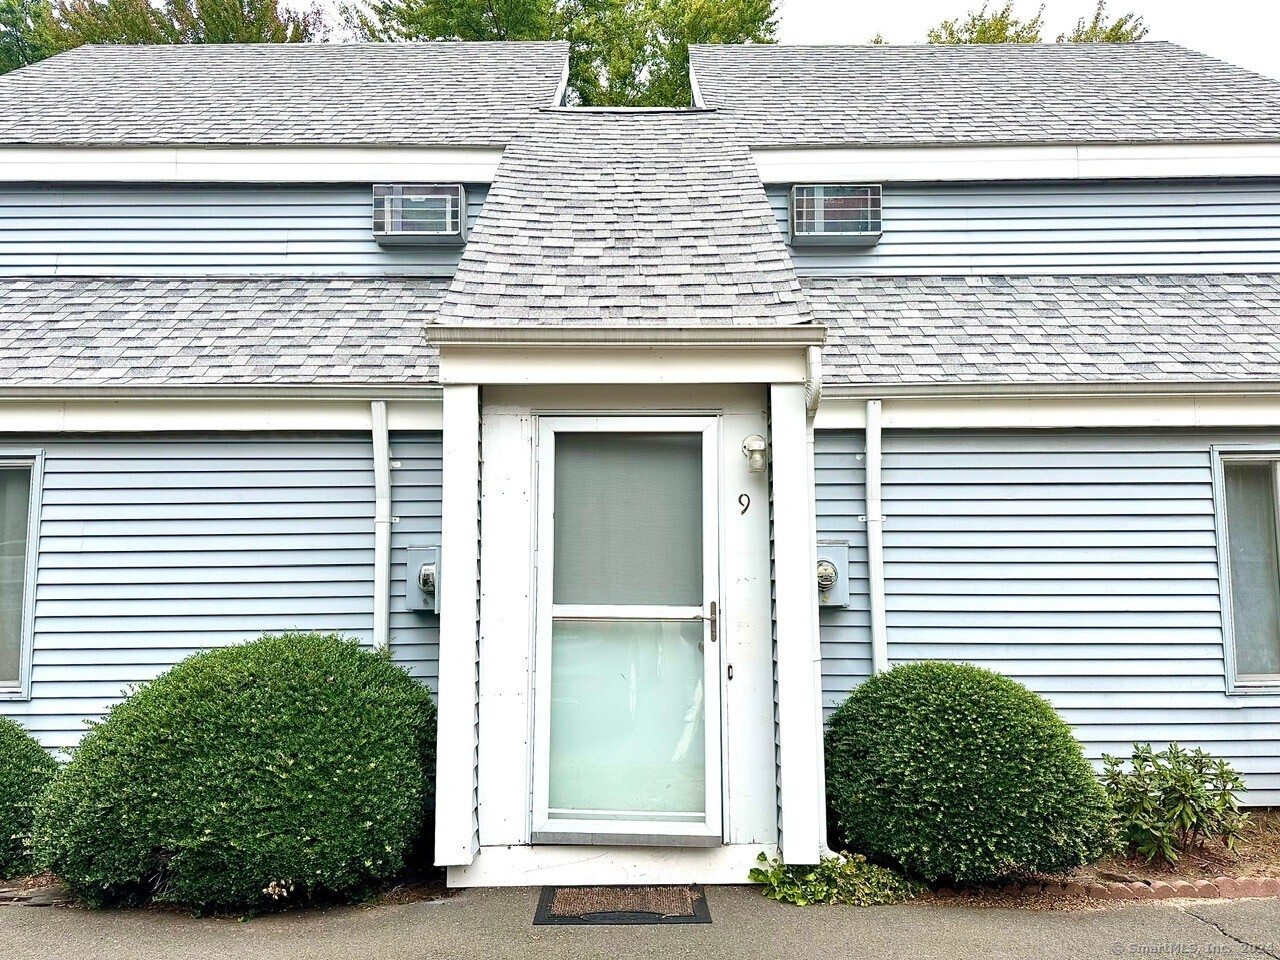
(714, 620)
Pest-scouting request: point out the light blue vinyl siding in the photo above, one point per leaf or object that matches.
(153, 548)
(205, 229)
(1082, 564)
(1203, 226)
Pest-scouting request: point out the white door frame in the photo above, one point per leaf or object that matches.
(710, 829)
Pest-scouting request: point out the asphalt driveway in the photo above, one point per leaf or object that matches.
(496, 924)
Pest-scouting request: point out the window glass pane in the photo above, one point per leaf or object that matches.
(627, 721)
(1255, 574)
(628, 518)
(15, 498)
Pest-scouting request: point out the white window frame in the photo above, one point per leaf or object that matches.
(1222, 454)
(33, 460)
(710, 829)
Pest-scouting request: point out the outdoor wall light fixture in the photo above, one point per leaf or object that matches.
(753, 449)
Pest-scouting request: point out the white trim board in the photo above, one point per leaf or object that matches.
(621, 365)
(278, 164)
(534, 866)
(1016, 162)
(1054, 412)
(210, 416)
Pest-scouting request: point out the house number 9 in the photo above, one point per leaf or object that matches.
(744, 501)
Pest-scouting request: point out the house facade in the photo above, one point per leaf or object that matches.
(643, 436)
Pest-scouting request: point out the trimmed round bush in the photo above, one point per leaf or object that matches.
(25, 772)
(954, 772)
(293, 767)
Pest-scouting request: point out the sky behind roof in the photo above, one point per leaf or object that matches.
(1243, 32)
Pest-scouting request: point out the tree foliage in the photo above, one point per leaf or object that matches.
(25, 35)
(1002, 26)
(981, 26)
(182, 21)
(622, 52)
(1123, 29)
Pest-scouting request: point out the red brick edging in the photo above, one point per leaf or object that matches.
(1221, 887)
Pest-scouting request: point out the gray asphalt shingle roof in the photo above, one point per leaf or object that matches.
(282, 93)
(991, 93)
(1098, 329)
(625, 218)
(146, 332)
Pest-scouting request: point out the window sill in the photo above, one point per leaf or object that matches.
(1245, 688)
(14, 693)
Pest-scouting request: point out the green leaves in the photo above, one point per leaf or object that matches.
(293, 767)
(622, 52)
(844, 878)
(958, 773)
(1001, 26)
(1173, 801)
(998, 26)
(25, 772)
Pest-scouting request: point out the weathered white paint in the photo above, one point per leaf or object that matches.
(801, 791)
(211, 415)
(639, 365)
(275, 164)
(874, 518)
(381, 525)
(521, 866)
(1037, 162)
(1033, 410)
(457, 731)
(507, 631)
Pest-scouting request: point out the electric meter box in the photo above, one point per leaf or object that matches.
(422, 579)
(833, 553)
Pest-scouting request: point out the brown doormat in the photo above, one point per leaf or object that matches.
(619, 905)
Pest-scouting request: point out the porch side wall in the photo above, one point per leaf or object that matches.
(151, 548)
(1083, 564)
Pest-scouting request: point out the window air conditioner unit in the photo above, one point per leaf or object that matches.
(419, 213)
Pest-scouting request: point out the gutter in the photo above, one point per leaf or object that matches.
(213, 391)
(382, 521)
(875, 541)
(1120, 388)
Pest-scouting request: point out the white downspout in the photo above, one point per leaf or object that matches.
(875, 542)
(381, 526)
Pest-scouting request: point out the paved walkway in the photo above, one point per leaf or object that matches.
(496, 924)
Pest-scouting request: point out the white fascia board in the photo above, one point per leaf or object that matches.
(621, 365)
(210, 416)
(1031, 411)
(614, 355)
(1015, 162)
(273, 164)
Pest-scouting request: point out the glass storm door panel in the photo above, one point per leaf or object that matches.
(628, 727)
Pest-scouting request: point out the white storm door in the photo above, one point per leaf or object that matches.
(627, 663)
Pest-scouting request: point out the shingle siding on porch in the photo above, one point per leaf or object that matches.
(152, 548)
(1082, 564)
(1204, 226)
(206, 230)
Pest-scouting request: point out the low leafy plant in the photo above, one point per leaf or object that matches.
(844, 878)
(1173, 801)
(957, 773)
(25, 772)
(290, 768)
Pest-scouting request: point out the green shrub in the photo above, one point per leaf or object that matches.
(958, 773)
(25, 772)
(844, 878)
(293, 767)
(1171, 802)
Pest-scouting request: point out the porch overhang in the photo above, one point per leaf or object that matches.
(544, 354)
